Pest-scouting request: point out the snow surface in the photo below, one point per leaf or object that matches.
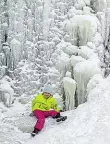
(88, 124)
(60, 42)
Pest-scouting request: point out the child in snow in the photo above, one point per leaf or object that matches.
(43, 106)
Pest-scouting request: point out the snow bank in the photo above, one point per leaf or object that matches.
(88, 124)
(23, 122)
(10, 134)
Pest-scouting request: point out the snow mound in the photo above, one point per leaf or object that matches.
(23, 122)
(10, 134)
(6, 91)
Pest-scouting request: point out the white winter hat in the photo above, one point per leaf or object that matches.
(48, 89)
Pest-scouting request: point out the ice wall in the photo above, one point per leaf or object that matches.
(83, 72)
(69, 88)
(99, 5)
(44, 39)
(82, 29)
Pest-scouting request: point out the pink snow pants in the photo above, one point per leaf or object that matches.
(41, 115)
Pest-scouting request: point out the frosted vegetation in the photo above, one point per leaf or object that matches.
(61, 42)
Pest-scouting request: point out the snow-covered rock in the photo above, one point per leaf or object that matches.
(7, 92)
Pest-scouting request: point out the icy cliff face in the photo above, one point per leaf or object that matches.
(82, 28)
(41, 41)
(61, 42)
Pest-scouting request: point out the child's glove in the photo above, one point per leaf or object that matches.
(31, 114)
(61, 110)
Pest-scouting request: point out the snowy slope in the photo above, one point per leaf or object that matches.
(88, 124)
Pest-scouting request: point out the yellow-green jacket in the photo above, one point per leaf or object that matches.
(41, 103)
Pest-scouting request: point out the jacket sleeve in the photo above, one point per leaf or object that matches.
(55, 106)
(34, 101)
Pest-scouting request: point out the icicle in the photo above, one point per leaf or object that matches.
(69, 88)
(15, 52)
(83, 72)
(46, 19)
